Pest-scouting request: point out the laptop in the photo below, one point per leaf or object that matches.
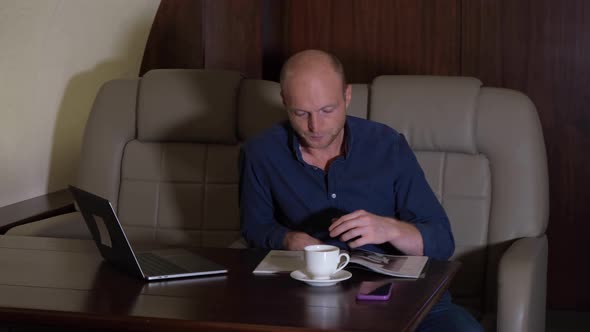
(107, 233)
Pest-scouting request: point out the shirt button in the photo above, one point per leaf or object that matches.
(333, 195)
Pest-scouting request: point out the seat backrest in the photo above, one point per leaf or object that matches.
(483, 153)
(173, 173)
(164, 149)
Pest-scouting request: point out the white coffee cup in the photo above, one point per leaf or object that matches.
(322, 260)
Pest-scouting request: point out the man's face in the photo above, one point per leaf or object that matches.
(316, 105)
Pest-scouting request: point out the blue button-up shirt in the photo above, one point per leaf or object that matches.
(378, 173)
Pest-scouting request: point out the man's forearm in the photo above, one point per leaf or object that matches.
(407, 238)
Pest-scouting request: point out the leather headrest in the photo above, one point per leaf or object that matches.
(434, 113)
(188, 106)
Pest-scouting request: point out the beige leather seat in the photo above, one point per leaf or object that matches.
(164, 150)
(483, 153)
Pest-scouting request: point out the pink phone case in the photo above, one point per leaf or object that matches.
(381, 293)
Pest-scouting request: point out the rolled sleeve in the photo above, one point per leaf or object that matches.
(438, 242)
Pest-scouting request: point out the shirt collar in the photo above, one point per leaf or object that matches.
(294, 142)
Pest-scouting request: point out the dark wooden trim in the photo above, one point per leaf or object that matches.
(35, 209)
(272, 39)
(440, 291)
(23, 318)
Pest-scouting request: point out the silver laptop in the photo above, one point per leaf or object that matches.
(114, 247)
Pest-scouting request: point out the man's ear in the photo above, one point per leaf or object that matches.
(348, 94)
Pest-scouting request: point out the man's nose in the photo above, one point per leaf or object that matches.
(312, 122)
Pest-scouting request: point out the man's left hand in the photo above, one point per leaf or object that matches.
(367, 228)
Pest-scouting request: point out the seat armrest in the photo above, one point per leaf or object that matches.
(37, 208)
(522, 283)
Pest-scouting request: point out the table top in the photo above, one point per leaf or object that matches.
(65, 282)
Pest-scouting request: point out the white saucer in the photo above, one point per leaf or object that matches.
(334, 279)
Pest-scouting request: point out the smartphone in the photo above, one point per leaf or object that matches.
(375, 291)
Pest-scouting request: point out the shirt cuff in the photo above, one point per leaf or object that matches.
(435, 243)
(276, 237)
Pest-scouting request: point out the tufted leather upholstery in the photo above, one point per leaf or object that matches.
(164, 150)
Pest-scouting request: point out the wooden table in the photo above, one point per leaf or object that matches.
(58, 282)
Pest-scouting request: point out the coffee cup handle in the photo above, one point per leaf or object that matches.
(343, 264)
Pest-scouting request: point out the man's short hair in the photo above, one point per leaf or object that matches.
(334, 61)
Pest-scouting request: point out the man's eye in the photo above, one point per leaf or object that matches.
(299, 113)
(328, 110)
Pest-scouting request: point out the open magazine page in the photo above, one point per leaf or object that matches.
(397, 266)
(282, 261)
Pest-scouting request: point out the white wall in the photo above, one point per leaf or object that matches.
(54, 55)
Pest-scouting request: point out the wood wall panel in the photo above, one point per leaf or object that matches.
(273, 54)
(233, 38)
(176, 37)
(542, 48)
(214, 34)
(377, 37)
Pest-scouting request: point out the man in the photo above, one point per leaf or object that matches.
(323, 177)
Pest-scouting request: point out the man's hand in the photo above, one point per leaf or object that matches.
(368, 228)
(299, 240)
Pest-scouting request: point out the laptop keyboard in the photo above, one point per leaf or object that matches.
(153, 265)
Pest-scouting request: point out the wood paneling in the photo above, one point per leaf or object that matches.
(542, 48)
(273, 54)
(233, 37)
(214, 34)
(377, 37)
(175, 40)
(256, 36)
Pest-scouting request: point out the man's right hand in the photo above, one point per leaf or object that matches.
(299, 240)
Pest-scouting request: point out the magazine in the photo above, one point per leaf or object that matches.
(283, 261)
